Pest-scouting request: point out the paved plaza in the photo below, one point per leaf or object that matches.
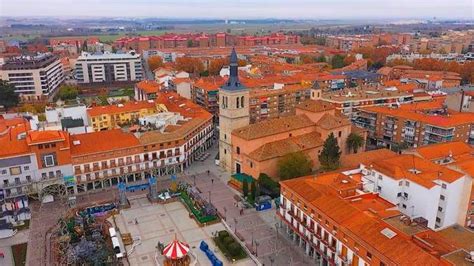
(158, 222)
(162, 223)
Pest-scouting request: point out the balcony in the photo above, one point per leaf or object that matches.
(439, 131)
(16, 184)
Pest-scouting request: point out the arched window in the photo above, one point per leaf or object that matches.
(237, 100)
(238, 150)
(242, 101)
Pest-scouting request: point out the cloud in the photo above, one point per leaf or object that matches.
(294, 9)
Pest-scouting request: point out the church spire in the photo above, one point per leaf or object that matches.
(233, 82)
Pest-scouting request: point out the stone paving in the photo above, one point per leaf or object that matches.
(157, 222)
(259, 224)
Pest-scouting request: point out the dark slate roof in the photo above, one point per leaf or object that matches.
(358, 74)
(4, 163)
(69, 122)
(233, 83)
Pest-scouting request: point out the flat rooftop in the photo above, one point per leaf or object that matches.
(29, 62)
(407, 228)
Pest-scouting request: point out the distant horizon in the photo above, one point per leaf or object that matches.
(243, 9)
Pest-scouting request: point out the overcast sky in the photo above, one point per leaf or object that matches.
(294, 9)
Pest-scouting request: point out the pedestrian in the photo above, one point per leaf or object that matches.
(208, 172)
(212, 181)
(136, 221)
(241, 211)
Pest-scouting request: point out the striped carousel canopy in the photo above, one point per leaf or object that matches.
(176, 250)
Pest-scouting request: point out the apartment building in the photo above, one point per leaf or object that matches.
(429, 80)
(133, 158)
(34, 161)
(205, 92)
(146, 90)
(415, 125)
(36, 77)
(113, 116)
(108, 67)
(336, 223)
(458, 156)
(351, 100)
(31, 161)
(202, 40)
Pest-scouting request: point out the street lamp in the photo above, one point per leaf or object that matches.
(225, 214)
(272, 260)
(194, 177)
(252, 238)
(256, 248)
(276, 227)
(235, 226)
(209, 197)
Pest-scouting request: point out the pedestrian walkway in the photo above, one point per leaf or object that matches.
(259, 234)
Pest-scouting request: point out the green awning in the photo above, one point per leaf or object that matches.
(241, 177)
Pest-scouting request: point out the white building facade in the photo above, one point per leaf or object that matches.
(108, 67)
(36, 78)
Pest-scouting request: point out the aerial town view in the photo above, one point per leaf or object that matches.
(183, 133)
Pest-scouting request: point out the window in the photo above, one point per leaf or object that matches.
(407, 183)
(40, 146)
(26, 168)
(242, 101)
(46, 146)
(53, 145)
(379, 188)
(237, 102)
(43, 176)
(405, 194)
(438, 220)
(441, 197)
(339, 134)
(251, 165)
(400, 183)
(444, 186)
(225, 136)
(4, 172)
(369, 255)
(49, 160)
(440, 209)
(225, 151)
(238, 150)
(15, 170)
(404, 206)
(28, 178)
(380, 177)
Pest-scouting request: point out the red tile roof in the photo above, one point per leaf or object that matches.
(89, 143)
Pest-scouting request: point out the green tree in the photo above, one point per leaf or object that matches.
(321, 59)
(354, 141)
(329, 157)
(245, 188)
(190, 43)
(253, 190)
(67, 92)
(337, 61)
(8, 97)
(294, 165)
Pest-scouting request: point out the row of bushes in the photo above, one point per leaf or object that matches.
(199, 217)
(229, 246)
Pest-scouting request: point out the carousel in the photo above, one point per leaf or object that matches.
(176, 254)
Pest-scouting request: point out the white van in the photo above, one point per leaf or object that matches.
(112, 232)
(117, 249)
